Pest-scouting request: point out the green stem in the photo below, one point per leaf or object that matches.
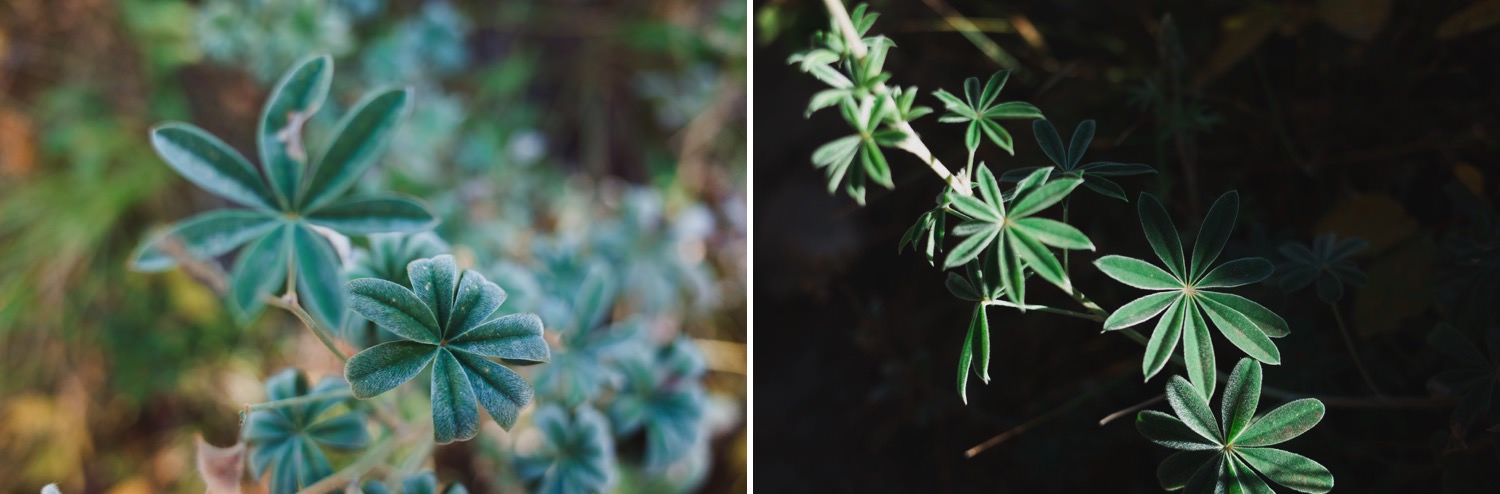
(1047, 309)
(1353, 354)
(290, 304)
(373, 457)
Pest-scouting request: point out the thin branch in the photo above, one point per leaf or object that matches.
(300, 400)
(1131, 409)
(370, 459)
(1047, 309)
(1354, 354)
(289, 302)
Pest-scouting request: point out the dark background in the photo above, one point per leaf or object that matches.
(1364, 118)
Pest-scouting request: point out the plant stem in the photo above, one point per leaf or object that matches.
(370, 459)
(911, 143)
(1353, 354)
(300, 400)
(1047, 309)
(290, 304)
(1131, 409)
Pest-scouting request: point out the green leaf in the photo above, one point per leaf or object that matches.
(997, 135)
(1268, 322)
(1012, 110)
(1241, 331)
(434, 281)
(1082, 136)
(970, 248)
(1044, 196)
(1177, 469)
(514, 337)
(1161, 234)
(394, 308)
(972, 135)
(875, 165)
(1241, 398)
(319, 276)
(1053, 232)
(1140, 310)
(1291, 470)
(205, 236)
(358, 141)
(288, 441)
(1217, 226)
(989, 188)
(364, 216)
(1039, 259)
(981, 324)
(382, 367)
(1105, 187)
(1136, 273)
(296, 97)
(1049, 140)
(206, 161)
(595, 299)
(577, 455)
(259, 269)
(992, 88)
(961, 288)
(1168, 431)
(1192, 409)
(965, 363)
(1239, 272)
(1163, 340)
(1249, 482)
(476, 299)
(976, 209)
(1112, 169)
(1282, 424)
(1011, 275)
(455, 409)
(501, 391)
(1205, 480)
(1198, 351)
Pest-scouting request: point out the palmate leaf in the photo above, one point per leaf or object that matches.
(386, 258)
(979, 111)
(288, 441)
(446, 322)
(297, 195)
(1067, 160)
(584, 366)
(1231, 454)
(1000, 227)
(854, 160)
(1183, 287)
(576, 455)
(662, 396)
(421, 483)
(1328, 261)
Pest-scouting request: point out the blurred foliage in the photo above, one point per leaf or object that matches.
(548, 137)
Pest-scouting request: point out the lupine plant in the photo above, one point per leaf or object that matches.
(992, 239)
(365, 272)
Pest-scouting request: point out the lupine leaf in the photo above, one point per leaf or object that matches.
(363, 216)
(1161, 234)
(1239, 272)
(1268, 322)
(966, 362)
(1215, 231)
(357, 143)
(319, 277)
(455, 410)
(1163, 340)
(1198, 351)
(211, 164)
(1139, 310)
(1283, 424)
(1044, 196)
(501, 391)
(1241, 398)
(287, 441)
(1039, 259)
(1240, 331)
(394, 308)
(259, 270)
(205, 236)
(1054, 233)
(1289, 469)
(1082, 136)
(1251, 482)
(1177, 469)
(1112, 169)
(1136, 273)
(577, 455)
(1168, 431)
(515, 337)
(1050, 141)
(1192, 409)
(1105, 187)
(382, 367)
(296, 97)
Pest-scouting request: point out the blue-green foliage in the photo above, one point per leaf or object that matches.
(288, 441)
(662, 395)
(576, 455)
(422, 483)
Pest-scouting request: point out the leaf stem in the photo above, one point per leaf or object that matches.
(290, 304)
(300, 400)
(1131, 409)
(1047, 309)
(370, 459)
(1353, 354)
(911, 143)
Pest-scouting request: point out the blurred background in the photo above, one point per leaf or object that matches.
(549, 136)
(1374, 119)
